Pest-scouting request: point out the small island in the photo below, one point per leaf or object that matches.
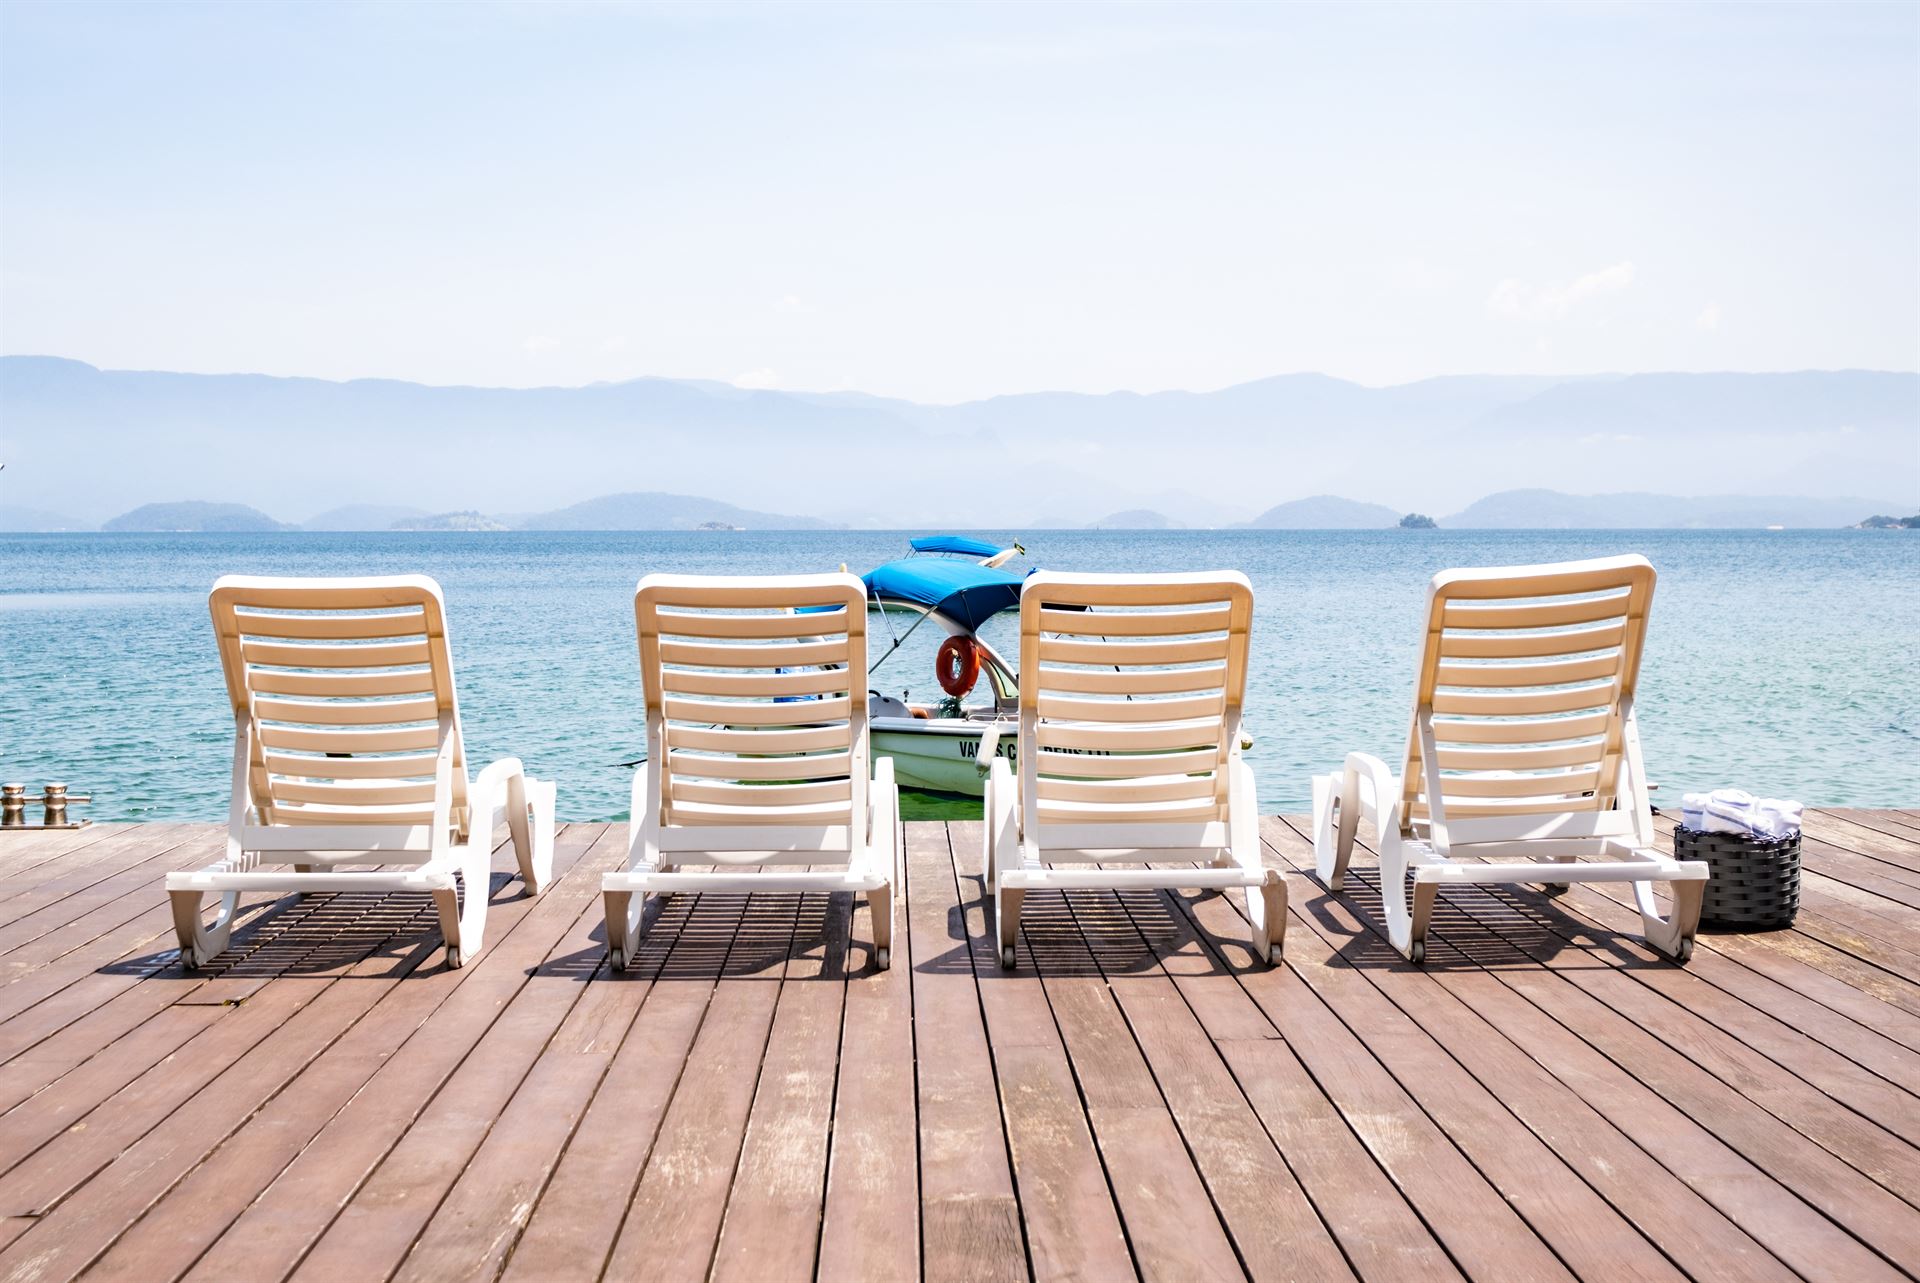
(1418, 521)
(1890, 523)
(718, 525)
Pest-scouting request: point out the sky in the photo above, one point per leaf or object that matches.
(953, 202)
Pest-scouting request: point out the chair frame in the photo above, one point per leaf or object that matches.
(1140, 819)
(444, 849)
(1549, 836)
(738, 842)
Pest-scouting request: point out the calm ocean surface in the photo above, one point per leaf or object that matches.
(1787, 663)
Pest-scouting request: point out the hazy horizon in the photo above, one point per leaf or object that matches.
(949, 203)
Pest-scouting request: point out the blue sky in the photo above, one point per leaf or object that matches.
(952, 202)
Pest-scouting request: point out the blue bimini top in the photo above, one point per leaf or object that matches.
(957, 543)
(963, 591)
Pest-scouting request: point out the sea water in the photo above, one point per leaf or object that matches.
(1783, 662)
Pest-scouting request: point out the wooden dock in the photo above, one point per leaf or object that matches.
(1543, 1099)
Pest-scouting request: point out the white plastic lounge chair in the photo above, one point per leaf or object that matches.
(1129, 747)
(347, 750)
(1523, 716)
(757, 749)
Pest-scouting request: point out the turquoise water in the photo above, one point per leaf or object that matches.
(1782, 662)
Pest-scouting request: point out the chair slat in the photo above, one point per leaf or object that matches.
(315, 813)
(1521, 759)
(1526, 704)
(290, 790)
(349, 684)
(350, 768)
(812, 767)
(1494, 784)
(1072, 650)
(1147, 789)
(1541, 730)
(372, 740)
(823, 623)
(1554, 673)
(799, 713)
(1057, 812)
(332, 627)
(1136, 710)
(1165, 623)
(1106, 766)
(1531, 645)
(372, 655)
(1559, 613)
(760, 795)
(1490, 808)
(754, 685)
(362, 713)
(1134, 681)
(810, 739)
(708, 813)
(1112, 738)
(771, 655)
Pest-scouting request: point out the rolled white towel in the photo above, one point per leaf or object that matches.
(1693, 811)
(1729, 811)
(1776, 818)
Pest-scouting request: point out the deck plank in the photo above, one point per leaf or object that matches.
(1543, 1098)
(870, 1218)
(970, 1223)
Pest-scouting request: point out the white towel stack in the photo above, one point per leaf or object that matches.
(1738, 811)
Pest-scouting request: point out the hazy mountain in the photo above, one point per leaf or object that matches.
(459, 521)
(194, 515)
(1135, 519)
(1550, 510)
(1202, 458)
(1326, 512)
(656, 511)
(362, 516)
(16, 519)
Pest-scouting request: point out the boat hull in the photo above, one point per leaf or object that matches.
(934, 755)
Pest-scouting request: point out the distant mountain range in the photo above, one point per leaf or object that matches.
(1326, 512)
(1509, 510)
(291, 445)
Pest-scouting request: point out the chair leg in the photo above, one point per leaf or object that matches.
(530, 805)
(199, 942)
(1407, 914)
(880, 909)
(1673, 934)
(463, 914)
(1336, 821)
(1267, 912)
(624, 912)
(1006, 917)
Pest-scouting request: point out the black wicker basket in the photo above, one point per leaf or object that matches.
(1753, 881)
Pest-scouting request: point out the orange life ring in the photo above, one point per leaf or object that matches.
(957, 665)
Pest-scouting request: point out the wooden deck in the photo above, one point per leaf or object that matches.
(1543, 1099)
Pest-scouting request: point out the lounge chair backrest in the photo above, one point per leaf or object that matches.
(756, 695)
(1526, 686)
(343, 702)
(1131, 689)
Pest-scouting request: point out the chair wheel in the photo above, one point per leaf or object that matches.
(1274, 956)
(1418, 953)
(1006, 956)
(882, 958)
(455, 959)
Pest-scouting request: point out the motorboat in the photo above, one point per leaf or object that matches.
(959, 584)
